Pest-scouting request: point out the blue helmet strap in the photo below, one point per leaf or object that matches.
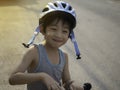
(72, 37)
(31, 41)
(37, 30)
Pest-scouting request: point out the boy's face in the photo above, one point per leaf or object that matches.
(57, 33)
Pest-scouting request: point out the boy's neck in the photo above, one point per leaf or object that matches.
(52, 53)
(49, 48)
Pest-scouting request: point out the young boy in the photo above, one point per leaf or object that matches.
(47, 65)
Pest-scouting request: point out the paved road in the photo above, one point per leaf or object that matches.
(97, 33)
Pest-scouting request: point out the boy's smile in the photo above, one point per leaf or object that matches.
(57, 34)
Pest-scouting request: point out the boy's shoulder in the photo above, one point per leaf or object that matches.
(64, 52)
(32, 50)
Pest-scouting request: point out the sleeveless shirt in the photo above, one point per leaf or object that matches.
(44, 65)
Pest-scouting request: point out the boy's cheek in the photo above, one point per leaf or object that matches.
(49, 33)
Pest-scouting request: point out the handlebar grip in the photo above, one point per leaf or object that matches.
(87, 86)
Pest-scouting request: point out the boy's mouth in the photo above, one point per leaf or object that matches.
(57, 40)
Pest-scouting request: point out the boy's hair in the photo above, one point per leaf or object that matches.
(49, 18)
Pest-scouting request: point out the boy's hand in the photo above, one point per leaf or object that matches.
(74, 86)
(51, 83)
(71, 85)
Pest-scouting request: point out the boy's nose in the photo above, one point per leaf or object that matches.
(59, 34)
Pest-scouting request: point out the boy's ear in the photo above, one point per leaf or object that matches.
(41, 29)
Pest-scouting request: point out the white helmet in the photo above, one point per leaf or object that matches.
(60, 6)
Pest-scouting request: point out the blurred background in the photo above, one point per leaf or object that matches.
(97, 33)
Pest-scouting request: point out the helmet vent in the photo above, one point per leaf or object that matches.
(70, 8)
(45, 9)
(64, 5)
(55, 4)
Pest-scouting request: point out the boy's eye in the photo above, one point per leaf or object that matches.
(52, 28)
(65, 31)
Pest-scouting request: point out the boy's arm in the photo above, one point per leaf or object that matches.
(66, 74)
(19, 76)
(67, 82)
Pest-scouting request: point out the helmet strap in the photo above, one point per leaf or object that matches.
(72, 37)
(31, 41)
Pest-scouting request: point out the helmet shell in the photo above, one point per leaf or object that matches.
(59, 6)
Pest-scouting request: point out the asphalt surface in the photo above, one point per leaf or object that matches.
(97, 33)
(98, 38)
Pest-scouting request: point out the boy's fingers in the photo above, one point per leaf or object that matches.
(59, 87)
(62, 88)
(71, 88)
(56, 87)
(49, 88)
